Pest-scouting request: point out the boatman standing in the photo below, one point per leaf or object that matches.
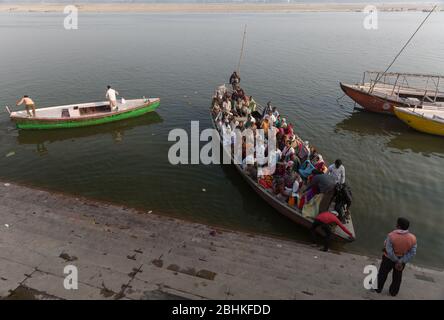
(234, 79)
(29, 104)
(111, 97)
(337, 170)
(399, 248)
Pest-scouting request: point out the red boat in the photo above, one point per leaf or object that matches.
(382, 92)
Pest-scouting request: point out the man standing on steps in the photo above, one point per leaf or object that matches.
(399, 248)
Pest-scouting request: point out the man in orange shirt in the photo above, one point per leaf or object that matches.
(399, 248)
(29, 104)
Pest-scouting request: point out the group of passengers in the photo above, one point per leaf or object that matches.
(300, 171)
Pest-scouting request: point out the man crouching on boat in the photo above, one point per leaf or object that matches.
(111, 97)
(29, 104)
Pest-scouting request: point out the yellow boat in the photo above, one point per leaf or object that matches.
(429, 120)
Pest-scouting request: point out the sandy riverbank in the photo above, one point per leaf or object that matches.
(123, 253)
(214, 8)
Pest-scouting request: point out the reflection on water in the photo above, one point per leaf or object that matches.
(115, 130)
(368, 123)
(418, 142)
(399, 136)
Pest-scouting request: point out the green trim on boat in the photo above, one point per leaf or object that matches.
(29, 123)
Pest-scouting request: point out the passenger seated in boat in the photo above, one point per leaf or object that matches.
(319, 163)
(215, 106)
(337, 170)
(270, 117)
(219, 120)
(111, 97)
(239, 106)
(276, 157)
(265, 126)
(297, 184)
(283, 124)
(275, 112)
(288, 151)
(220, 92)
(226, 132)
(29, 105)
(226, 105)
(234, 79)
(249, 122)
(239, 93)
(289, 179)
(278, 184)
(245, 110)
(267, 109)
(261, 156)
(252, 104)
(280, 140)
(302, 150)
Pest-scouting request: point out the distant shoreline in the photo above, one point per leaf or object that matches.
(215, 8)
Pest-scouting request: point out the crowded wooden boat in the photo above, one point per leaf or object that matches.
(289, 188)
(381, 92)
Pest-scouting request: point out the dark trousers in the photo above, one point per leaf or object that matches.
(327, 230)
(386, 266)
(326, 200)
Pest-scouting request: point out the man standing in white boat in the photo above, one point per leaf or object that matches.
(111, 97)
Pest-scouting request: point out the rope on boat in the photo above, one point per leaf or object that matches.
(242, 50)
(402, 49)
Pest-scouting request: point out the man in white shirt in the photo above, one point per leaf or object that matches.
(111, 97)
(337, 171)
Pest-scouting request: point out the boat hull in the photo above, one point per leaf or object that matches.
(41, 124)
(371, 102)
(420, 123)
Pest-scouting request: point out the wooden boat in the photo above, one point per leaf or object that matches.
(291, 212)
(82, 115)
(424, 120)
(382, 92)
(112, 129)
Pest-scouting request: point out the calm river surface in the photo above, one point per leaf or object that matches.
(296, 60)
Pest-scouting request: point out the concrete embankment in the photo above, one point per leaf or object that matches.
(122, 253)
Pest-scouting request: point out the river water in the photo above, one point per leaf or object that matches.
(296, 60)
